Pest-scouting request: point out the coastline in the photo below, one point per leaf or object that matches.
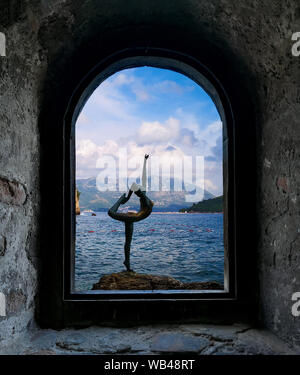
(159, 212)
(183, 213)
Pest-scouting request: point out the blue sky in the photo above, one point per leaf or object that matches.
(150, 110)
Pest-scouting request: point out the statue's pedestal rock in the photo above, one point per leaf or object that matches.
(136, 281)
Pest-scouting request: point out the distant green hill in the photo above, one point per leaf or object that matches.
(209, 205)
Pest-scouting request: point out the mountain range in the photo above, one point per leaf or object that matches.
(165, 201)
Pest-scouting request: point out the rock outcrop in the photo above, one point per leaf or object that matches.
(77, 207)
(136, 281)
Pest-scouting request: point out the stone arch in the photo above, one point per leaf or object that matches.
(77, 68)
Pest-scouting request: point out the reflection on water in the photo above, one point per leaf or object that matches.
(188, 247)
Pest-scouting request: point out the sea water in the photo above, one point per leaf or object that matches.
(188, 247)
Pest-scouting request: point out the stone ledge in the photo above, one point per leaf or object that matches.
(199, 339)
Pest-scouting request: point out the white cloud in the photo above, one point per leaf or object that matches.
(87, 154)
(141, 94)
(109, 105)
(121, 79)
(167, 87)
(156, 132)
(166, 141)
(83, 119)
(86, 148)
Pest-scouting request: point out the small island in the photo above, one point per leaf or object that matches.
(212, 205)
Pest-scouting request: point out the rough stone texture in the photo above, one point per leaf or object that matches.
(258, 33)
(178, 342)
(19, 165)
(199, 339)
(11, 192)
(136, 281)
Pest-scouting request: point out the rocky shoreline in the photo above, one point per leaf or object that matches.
(135, 281)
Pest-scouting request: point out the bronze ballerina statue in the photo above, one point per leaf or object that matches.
(131, 217)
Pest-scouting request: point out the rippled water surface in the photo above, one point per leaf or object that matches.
(188, 247)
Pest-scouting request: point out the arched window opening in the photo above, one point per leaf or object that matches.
(182, 245)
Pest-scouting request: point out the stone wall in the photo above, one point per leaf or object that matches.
(253, 36)
(19, 168)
